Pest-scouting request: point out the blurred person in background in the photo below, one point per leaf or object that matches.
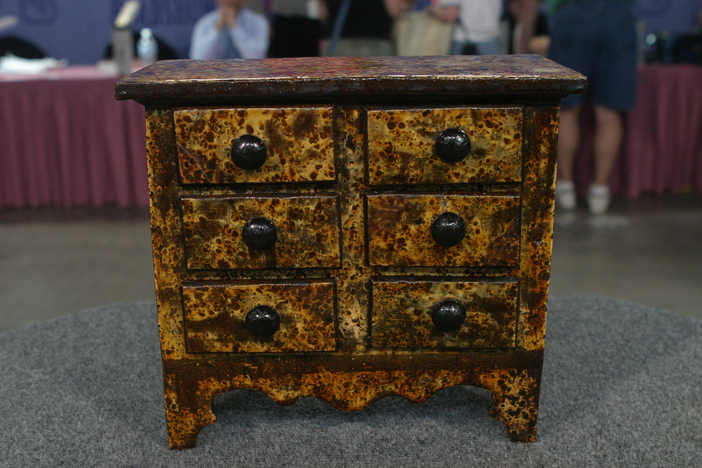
(477, 28)
(527, 28)
(419, 31)
(598, 39)
(362, 28)
(231, 31)
(297, 27)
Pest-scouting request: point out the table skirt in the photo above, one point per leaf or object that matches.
(69, 143)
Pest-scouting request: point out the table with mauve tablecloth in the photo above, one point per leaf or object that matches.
(65, 141)
(662, 150)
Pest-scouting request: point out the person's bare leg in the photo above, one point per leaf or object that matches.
(568, 141)
(608, 141)
(609, 133)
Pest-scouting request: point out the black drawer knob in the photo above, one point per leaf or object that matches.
(448, 315)
(448, 229)
(452, 145)
(262, 321)
(259, 234)
(249, 152)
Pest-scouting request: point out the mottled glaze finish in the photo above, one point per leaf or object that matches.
(215, 315)
(355, 269)
(190, 390)
(538, 191)
(358, 78)
(401, 145)
(399, 230)
(352, 278)
(298, 141)
(307, 227)
(402, 313)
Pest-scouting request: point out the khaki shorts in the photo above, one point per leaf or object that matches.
(361, 47)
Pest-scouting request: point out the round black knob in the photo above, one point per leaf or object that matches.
(448, 315)
(259, 234)
(248, 152)
(452, 145)
(448, 229)
(262, 321)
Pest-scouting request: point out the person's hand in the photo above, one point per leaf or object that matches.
(447, 14)
(539, 45)
(227, 16)
(524, 11)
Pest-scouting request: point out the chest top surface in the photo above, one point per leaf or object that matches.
(356, 78)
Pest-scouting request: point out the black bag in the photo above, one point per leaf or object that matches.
(469, 49)
(687, 49)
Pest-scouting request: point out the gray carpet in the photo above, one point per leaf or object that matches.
(622, 386)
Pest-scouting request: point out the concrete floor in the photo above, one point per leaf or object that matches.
(54, 262)
(646, 250)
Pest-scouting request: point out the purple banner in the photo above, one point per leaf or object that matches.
(80, 30)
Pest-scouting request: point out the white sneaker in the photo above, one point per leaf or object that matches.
(565, 195)
(598, 199)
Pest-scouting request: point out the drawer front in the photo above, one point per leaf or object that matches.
(401, 145)
(306, 232)
(402, 313)
(216, 317)
(298, 144)
(400, 230)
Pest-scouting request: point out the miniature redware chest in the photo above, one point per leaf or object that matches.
(351, 228)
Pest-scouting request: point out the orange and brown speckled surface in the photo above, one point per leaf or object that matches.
(399, 230)
(215, 315)
(307, 229)
(402, 309)
(515, 389)
(299, 144)
(401, 145)
(357, 269)
(537, 224)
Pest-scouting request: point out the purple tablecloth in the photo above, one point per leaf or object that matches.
(662, 150)
(65, 141)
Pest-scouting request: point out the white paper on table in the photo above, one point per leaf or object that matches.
(12, 64)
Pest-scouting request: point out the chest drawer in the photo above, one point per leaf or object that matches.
(445, 145)
(444, 314)
(223, 317)
(437, 230)
(255, 145)
(261, 232)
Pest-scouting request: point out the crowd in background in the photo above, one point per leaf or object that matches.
(599, 38)
(602, 39)
(294, 28)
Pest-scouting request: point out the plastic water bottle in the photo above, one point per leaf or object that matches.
(147, 49)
